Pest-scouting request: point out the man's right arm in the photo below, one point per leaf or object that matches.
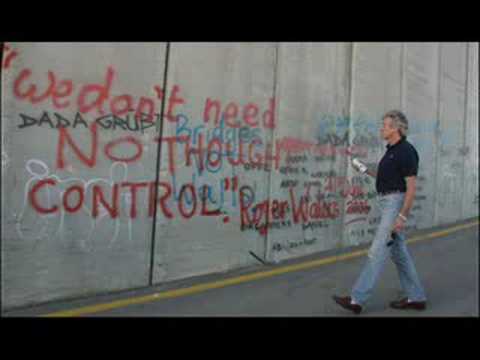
(371, 173)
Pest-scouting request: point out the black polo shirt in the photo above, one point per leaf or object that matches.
(400, 161)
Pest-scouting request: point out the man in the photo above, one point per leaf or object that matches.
(395, 185)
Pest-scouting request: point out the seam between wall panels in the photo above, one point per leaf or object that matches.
(465, 119)
(348, 113)
(437, 129)
(403, 80)
(266, 253)
(157, 168)
(2, 46)
(3, 145)
(338, 88)
(351, 77)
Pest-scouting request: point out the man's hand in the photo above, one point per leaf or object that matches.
(399, 224)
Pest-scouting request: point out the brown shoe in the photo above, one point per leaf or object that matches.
(403, 304)
(346, 303)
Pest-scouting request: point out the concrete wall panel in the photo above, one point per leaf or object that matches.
(58, 248)
(219, 83)
(376, 88)
(420, 102)
(312, 92)
(449, 179)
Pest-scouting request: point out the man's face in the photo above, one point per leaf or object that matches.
(387, 130)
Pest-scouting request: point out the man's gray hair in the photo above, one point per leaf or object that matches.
(399, 120)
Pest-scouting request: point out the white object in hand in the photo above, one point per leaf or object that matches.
(358, 165)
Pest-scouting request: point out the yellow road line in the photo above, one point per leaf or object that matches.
(169, 294)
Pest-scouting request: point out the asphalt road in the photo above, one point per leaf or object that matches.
(447, 266)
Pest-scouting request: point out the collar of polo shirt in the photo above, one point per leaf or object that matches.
(402, 139)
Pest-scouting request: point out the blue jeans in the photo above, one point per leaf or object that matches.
(390, 206)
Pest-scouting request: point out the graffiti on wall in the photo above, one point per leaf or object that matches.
(54, 196)
(227, 138)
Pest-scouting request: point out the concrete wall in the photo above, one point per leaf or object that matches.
(252, 158)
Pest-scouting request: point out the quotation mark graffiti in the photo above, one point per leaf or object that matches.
(226, 186)
(10, 54)
(234, 186)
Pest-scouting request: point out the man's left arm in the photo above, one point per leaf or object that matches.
(409, 195)
(411, 182)
(408, 167)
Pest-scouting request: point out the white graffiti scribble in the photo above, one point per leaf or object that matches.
(38, 170)
(5, 160)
